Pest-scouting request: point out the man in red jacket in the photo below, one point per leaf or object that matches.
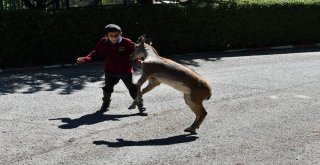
(116, 51)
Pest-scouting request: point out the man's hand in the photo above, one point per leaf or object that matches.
(81, 60)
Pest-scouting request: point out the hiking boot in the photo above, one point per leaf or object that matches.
(141, 108)
(104, 107)
(106, 102)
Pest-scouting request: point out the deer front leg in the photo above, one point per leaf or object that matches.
(138, 99)
(152, 84)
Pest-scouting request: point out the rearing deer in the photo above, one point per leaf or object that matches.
(157, 70)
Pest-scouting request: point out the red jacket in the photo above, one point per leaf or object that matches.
(117, 56)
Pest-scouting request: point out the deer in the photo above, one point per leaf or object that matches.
(157, 69)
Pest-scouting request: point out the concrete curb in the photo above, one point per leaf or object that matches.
(225, 51)
(276, 47)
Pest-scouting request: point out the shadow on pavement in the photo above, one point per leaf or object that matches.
(71, 79)
(190, 60)
(90, 119)
(65, 80)
(152, 142)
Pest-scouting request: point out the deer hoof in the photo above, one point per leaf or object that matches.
(190, 130)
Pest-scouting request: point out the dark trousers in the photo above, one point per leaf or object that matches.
(111, 81)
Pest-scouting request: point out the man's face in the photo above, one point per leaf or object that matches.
(114, 36)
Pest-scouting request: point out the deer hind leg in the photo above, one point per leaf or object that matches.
(197, 108)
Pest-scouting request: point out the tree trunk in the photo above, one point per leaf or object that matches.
(39, 4)
(67, 4)
(28, 4)
(145, 2)
(1, 4)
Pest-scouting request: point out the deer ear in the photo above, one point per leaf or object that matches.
(142, 39)
(144, 36)
(148, 41)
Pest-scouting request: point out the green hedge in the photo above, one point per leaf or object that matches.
(44, 37)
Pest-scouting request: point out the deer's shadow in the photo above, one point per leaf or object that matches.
(90, 119)
(152, 142)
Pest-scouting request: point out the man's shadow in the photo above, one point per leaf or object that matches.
(152, 142)
(90, 119)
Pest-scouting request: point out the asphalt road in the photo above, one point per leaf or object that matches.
(265, 109)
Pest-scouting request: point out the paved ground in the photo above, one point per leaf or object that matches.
(265, 109)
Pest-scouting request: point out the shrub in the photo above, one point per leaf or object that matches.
(44, 37)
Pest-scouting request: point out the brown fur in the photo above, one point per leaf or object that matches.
(159, 70)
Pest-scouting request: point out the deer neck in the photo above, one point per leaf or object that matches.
(151, 54)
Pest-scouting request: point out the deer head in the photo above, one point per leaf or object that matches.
(140, 47)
